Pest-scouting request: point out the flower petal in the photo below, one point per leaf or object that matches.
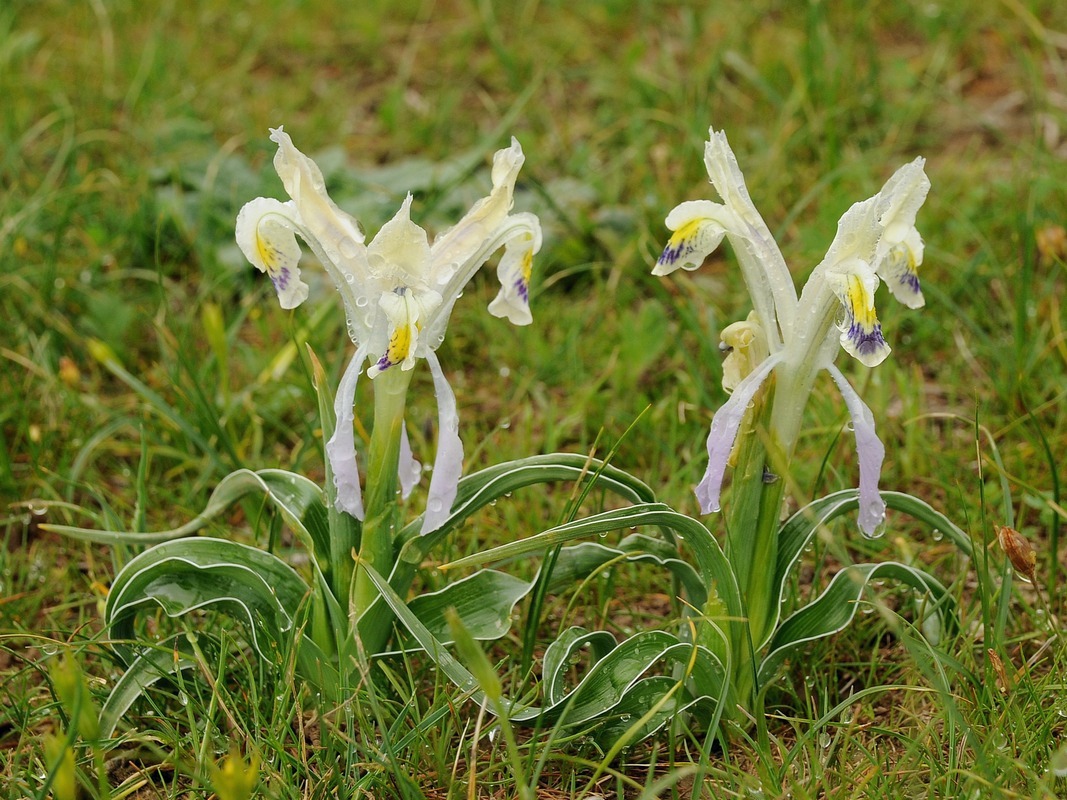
(338, 234)
(861, 333)
(453, 247)
(724, 427)
(514, 271)
(400, 253)
(899, 268)
(402, 311)
(448, 465)
(699, 226)
(766, 274)
(409, 470)
(341, 448)
(899, 202)
(871, 453)
(266, 234)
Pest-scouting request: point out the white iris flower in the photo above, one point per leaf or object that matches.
(798, 337)
(398, 292)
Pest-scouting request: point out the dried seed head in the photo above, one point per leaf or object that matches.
(998, 668)
(1019, 552)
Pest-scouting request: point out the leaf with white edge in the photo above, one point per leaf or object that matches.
(297, 498)
(189, 574)
(596, 694)
(797, 532)
(483, 601)
(482, 488)
(835, 608)
(578, 561)
(649, 705)
(720, 623)
(562, 653)
(160, 661)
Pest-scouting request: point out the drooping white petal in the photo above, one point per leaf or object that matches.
(871, 452)
(448, 465)
(265, 233)
(899, 202)
(514, 271)
(341, 448)
(699, 226)
(724, 427)
(453, 247)
(409, 470)
(899, 268)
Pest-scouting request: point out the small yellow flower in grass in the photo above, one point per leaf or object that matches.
(72, 691)
(61, 759)
(236, 778)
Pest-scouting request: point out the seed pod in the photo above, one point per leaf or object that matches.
(1019, 552)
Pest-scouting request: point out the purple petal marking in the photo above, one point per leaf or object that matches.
(724, 427)
(871, 452)
(341, 448)
(448, 465)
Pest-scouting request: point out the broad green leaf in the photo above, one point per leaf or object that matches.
(798, 531)
(479, 489)
(483, 601)
(575, 562)
(596, 694)
(723, 610)
(299, 500)
(482, 488)
(563, 653)
(159, 661)
(188, 574)
(836, 607)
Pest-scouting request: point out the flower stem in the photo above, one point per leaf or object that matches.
(380, 503)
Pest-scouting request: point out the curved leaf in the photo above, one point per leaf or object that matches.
(561, 654)
(298, 499)
(483, 601)
(598, 692)
(481, 488)
(835, 608)
(193, 573)
(575, 562)
(723, 610)
(152, 664)
(798, 531)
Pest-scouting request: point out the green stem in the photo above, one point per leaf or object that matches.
(380, 503)
(752, 539)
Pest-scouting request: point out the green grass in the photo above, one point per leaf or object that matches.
(130, 135)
